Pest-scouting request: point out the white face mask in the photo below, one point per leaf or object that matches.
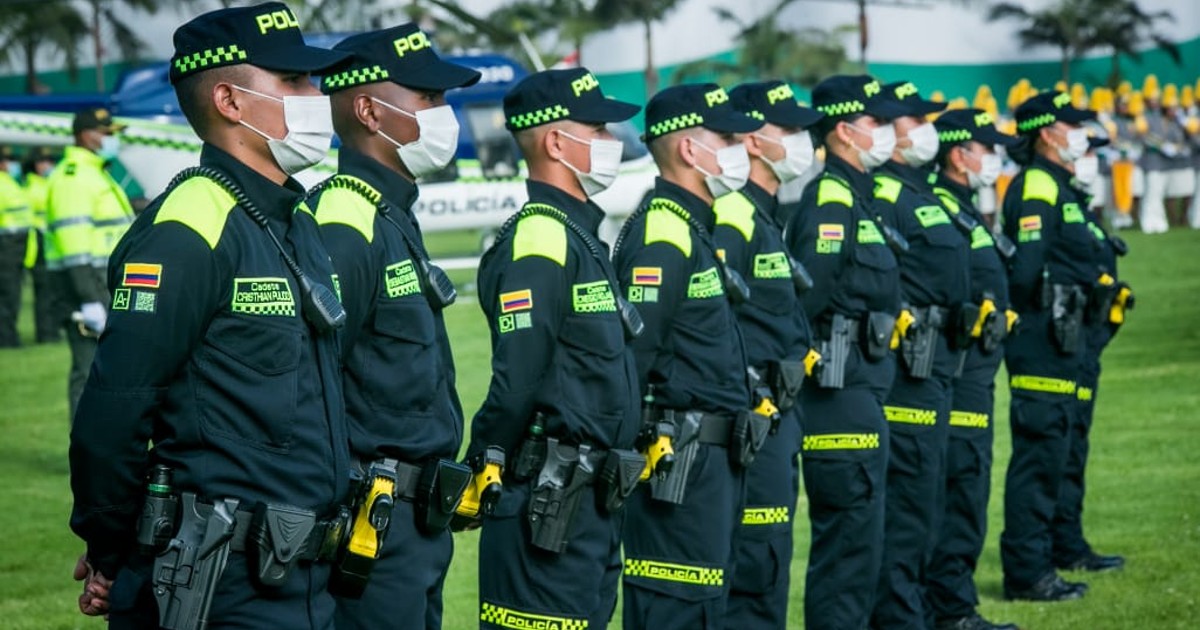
(883, 142)
(989, 171)
(734, 163)
(1087, 171)
(110, 146)
(1077, 145)
(923, 147)
(436, 143)
(797, 155)
(309, 123)
(606, 163)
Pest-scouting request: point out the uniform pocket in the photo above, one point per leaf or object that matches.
(593, 365)
(836, 484)
(760, 564)
(874, 256)
(402, 366)
(1038, 418)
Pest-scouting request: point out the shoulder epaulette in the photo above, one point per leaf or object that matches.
(202, 205)
(664, 223)
(346, 206)
(1040, 185)
(948, 199)
(737, 211)
(831, 190)
(888, 188)
(540, 235)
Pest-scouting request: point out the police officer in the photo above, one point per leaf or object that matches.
(390, 112)
(690, 361)
(221, 350)
(1106, 312)
(852, 308)
(749, 230)
(36, 167)
(15, 222)
(86, 214)
(563, 394)
(1050, 276)
(934, 270)
(967, 161)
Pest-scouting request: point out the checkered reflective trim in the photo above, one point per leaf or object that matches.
(539, 117)
(218, 56)
(954, 135)
(354, 77)
(969, 419)
(509, 618)
(765, 515)
(842, 109)
(1036, 122)
(683, 121)
(674, 572)
(909, 415)
(841, 442)
(756, 114)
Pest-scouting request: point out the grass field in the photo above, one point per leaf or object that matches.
(1143, 483)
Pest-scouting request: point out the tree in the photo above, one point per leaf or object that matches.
(1065, 25)
(29, 28)
(645, 12)
(1125, 28)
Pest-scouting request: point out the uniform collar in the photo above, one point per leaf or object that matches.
(275, 201)
(909, 175)
(82, 155)
(1059, 172)
(763, 201)
(695, 206)
(863, 184)
(396, 190)
(585, 214)
(960, 191)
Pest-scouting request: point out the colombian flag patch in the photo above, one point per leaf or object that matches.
(516, 301)
(1031, 223)
(832, 231)
(142, 275)
(651, 276)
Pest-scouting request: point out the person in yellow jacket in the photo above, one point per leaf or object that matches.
(87, 212)
(14, 230)
(36, 166)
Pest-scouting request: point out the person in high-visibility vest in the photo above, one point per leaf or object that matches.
(36, 167)
(14, 230)
(87, 212)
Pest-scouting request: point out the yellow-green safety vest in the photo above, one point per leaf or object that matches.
(87, 212)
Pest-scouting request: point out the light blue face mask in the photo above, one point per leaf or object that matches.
(14, 170)
(110, 146)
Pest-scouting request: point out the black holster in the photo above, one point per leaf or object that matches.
(568, 471)
(1099, 303)
(672, 487)
(918, 345)
(995, 329)
(186, 572)
(877, 339)
(785, 379)
(1067, 309)
(619, 475)
(439, 489)
(278, 534)
(964, 323)
(835, 351)
(750, 430)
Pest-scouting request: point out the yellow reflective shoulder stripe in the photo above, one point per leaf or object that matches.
(540, 235)
(969, 419)
(665, 226)
(841, 441)
(833, 191)
(1040, 185)
(346, 207)
(765, 515)
(200, 204)
(512, 618)
(887, 188)
(1042, 384)
(947, 199)
(675, 572)
(910, 415)
(736, 211)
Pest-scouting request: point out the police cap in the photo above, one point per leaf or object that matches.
(905, 93)
(266, 35)
(964, 125)
(1048, 108)
(553, 95)
(95, 118)
(844, 96)
(773, 102)
(401, 54)
(695, 105)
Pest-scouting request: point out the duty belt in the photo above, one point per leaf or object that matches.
(320, 546)
(408, 476)
(933, 316)
(715, 429)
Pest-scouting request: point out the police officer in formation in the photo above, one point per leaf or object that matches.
(967, 161)
(563, 398)
(749, 233)
(851, 308)
(221, 349)
(36, 166)
(16, 221)
(390, 112)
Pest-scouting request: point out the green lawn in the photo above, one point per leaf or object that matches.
(1143, 487)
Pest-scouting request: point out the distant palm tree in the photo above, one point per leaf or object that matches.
(1065, 25)
(27, 29)
(1124, 27)
(645, 12)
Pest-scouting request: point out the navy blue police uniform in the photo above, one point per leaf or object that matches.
(749, 234)
(395, 333)
(854, 300)
(1050, 277)
(934, 275)
(563, 379)
(210, 356)
(691, 359)
(1071, 548)
(950, 580)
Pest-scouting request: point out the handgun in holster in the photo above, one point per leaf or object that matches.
(374, 500)
(483, 492)
(968, 320)
(994, 326)
(835, 352)
(917, 346)
(672, 487)
(1067, 309)
(785, 379)
(654, 440)
(555, 498)
(763, 395)
(187, 570)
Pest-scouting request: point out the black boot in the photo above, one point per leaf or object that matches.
(1051, 588)
(1094, 562)
(974, 622)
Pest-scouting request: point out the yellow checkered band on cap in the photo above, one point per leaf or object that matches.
(841, 442)
(356, 76)
(842, 109)
(539, 117)
(511, 618)
(218, 56)
(1036, 122)
(954, 135)
(674, 572)
(682, 121)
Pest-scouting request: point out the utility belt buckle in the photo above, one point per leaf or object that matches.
(278, 538)
(439, 490)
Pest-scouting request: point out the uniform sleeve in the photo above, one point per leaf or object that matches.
(69, 219)
(820, 237)
(167, 284)
(1032, 224)
(524, 305)
(653, 349)
(357, 277)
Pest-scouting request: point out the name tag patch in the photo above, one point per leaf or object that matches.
(400, 279)
(593, 297)
(263, 296)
